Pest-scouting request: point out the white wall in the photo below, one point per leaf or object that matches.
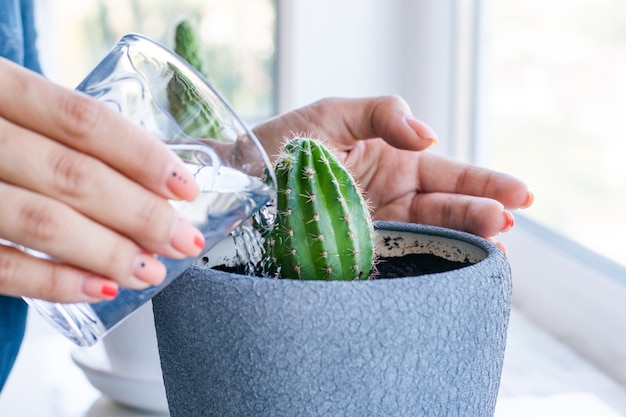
(388, 47)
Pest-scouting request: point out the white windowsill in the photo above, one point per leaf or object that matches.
(573, 293)
(543, 377)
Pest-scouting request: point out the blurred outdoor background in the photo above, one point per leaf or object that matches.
(556, 112)
(238, 37)
(552, 96)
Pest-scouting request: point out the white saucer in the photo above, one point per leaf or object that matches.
(129, 390)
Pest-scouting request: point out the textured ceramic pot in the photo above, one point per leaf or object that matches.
(428, 345)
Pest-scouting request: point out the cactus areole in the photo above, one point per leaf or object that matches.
(323, 229)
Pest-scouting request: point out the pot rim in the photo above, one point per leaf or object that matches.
(487, 246)
(494, 258)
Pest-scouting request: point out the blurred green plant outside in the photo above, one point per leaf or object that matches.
(237, 37)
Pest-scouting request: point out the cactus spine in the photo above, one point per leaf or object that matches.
(323, 228)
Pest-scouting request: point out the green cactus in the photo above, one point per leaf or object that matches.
(193, 114)
(323, 228)
(187, 45)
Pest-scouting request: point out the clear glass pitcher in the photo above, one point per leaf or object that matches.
(158, 90)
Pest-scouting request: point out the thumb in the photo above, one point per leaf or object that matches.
(386, 117)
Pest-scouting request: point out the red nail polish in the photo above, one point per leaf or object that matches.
(109, 290)
(502, 247)
(509, 221)
(530, 198)
(186, 239)
(199, 242)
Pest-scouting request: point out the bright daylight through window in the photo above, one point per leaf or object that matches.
(240, 62)
(556, 74)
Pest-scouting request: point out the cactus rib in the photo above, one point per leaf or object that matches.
(323, 227)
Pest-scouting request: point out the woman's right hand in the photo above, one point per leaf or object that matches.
(90, 189)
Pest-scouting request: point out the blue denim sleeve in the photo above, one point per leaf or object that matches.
(31, 57)
(12, 326)
(17, 43)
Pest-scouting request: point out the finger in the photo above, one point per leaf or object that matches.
(502, 246)
(499, 244)
(94, 189)
(440, 174)
(481, 216)
(25, 275)
(344, 121)
(86, 125)
(48, 226)
(387, 117)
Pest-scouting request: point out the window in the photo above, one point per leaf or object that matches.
(75, 36)
(553, 109)
(555, 112)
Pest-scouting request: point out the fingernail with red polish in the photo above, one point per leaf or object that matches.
(187, 239)
(530, 199)
(502, 247)
(99, 288)
(509, 221)
(109, 290)
(199, 241)
(148, 269)
(181, 183)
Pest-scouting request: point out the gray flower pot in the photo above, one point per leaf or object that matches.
(429, 345)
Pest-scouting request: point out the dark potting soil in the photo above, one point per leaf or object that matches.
(415, 264)
(393, 267)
